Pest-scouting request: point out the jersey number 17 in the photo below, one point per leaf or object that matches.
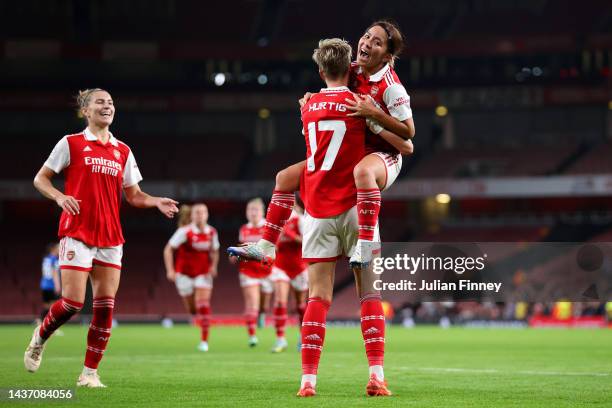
(338, 129)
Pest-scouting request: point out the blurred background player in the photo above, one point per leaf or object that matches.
(98, 170)
(289, 272)
(184, 215)
(385, 104)
(253, 275)
(50, 281)
(191, 257)
(335, 143)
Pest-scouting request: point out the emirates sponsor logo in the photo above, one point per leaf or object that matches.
(103, 166)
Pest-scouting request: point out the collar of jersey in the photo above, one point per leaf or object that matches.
(90, 137)
(336, 89)
(195, 229)
(259, 225)
(377, 77)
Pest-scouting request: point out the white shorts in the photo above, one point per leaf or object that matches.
(299, 283)
(77, 255)
(393, 166)
(327, 239)
(185, 285)
(265, 284)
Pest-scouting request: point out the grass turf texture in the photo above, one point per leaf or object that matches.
(148, 365)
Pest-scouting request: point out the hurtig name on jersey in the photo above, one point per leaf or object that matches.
(104, 166)
(339, 107)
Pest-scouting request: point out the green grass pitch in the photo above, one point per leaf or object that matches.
(149, 366)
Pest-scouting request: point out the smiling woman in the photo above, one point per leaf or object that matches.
(97, 168)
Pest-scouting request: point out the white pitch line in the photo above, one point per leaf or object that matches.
(496, 371)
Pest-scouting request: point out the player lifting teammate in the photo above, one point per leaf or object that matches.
(97, 169)
(335, 143)
(384, 103)
(191, 258)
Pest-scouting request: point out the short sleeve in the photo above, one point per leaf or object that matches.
(215, 241)
(178, 238)
(131, 173)
(398, 102)
(59, 158)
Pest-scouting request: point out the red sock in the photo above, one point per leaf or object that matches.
(60, 312)
(368, 207)
(250, 317)
(204, 318)
(280, 319)
(278, 213)
(313, 334)
(99, 330)
(373, 329)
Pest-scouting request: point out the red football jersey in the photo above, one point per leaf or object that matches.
(335, 143)
(289, 251)
(252, 233)
(95, 174)
(193, 247)
(390, 95)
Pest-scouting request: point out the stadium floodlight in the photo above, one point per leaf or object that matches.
(219, 79)
(441, 111)
(443, 198)
(262, 79)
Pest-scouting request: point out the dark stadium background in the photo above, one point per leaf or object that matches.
(512, 103)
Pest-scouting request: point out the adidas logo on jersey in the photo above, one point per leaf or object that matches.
(314, 337)
(87, 149)
(371, 330)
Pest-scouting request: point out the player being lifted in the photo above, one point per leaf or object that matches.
(289, 272)
(383, 101)
(253, 275)
(98, 168)
(191, 258)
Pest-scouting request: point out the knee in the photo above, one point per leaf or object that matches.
(362, 174)
(282, 180)
(323, 294)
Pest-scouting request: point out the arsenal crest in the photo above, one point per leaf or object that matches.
(374, 90)
(117, 154)
(70, 255)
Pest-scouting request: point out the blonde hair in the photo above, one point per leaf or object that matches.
(184, 215)
(83, 98)
(333, 57)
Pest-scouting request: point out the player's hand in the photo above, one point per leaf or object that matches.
(171, 276)
(69, 204)
(234, 260)
(304, 100)
(167, 206)
(361, 106)
(57, 291)
(213, 272)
